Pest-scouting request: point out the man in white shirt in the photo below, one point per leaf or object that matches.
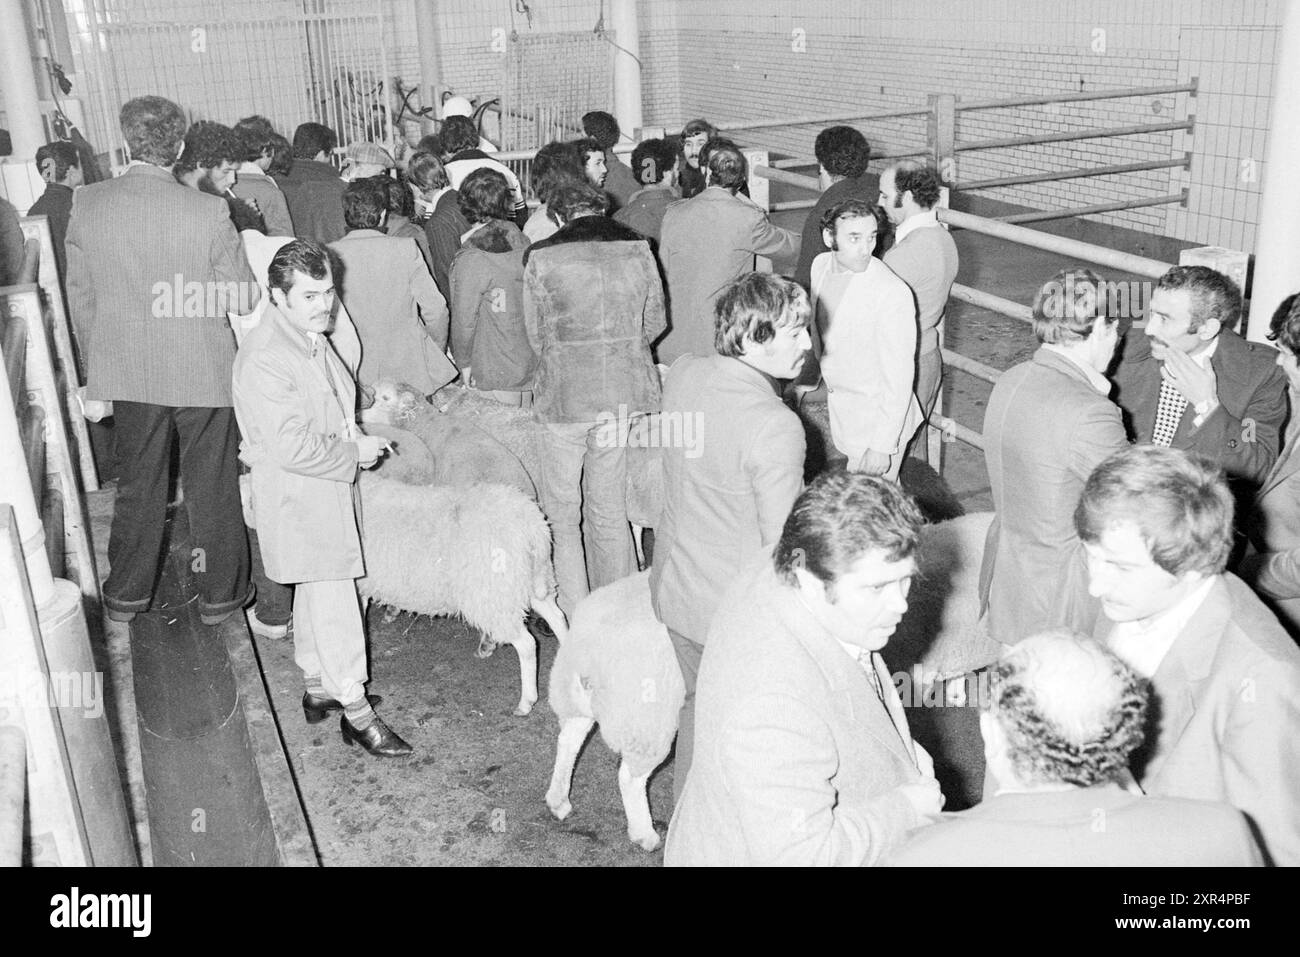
(867, 319)
(1157, 527)
(925, 257)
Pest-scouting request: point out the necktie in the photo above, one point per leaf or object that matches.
(1169, 413)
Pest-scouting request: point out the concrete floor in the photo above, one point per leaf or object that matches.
(473, 792)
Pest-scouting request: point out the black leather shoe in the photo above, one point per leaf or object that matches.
(379, 739)
(316, 709)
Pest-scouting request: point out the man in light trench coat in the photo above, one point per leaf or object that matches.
(295, 402)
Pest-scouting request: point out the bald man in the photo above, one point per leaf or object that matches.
(1062, 716)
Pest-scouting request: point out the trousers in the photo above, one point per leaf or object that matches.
(329, 638)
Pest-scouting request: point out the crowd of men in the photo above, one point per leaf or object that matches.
(1142, 681)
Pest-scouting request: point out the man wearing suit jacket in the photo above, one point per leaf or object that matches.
(728, 491)
(167, 374)
(1192, 383)
(400, 315)
(1062, 717)
(1157, 527)
(706, 242)
(312, 188)
(803, 751)
(1273, 524)
(1048, 425)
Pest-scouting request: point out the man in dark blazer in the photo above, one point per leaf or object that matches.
(1213, 392)
(1048, 425)
(733, 470)
(150, 315)
(1273, 523)
(706, 242)
(1063, 715)
(313, 188)
(1157, 526)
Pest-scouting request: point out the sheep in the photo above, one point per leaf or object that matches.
(462, 453)
(942, 631)
(617, 668)
(482, 552)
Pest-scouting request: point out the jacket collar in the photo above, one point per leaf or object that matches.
(148, 169)
(363, 234)
(497, 236)
(1053, 359)
(588, 229)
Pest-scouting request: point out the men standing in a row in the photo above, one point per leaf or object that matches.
(728, 491)
(1192, 383)
(706, 243)
(297, 410)
(867, 319)
(166, 376)
(805, 754)
(1049, 424)
(925, 257)
(1157, 527)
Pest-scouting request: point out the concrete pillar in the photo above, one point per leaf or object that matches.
(1277, 243)
(627, 66)
(426, 39)
(18, 81)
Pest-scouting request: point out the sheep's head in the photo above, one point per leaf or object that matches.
(392, 402)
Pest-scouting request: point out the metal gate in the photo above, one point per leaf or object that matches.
(550, 80)
(288, 60)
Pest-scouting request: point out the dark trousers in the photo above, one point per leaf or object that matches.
(688, 659)
(274, 601)
(208, 456)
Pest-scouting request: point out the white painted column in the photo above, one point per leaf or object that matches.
(426, 39)
(627, 69)
(18, 82)
(1277, 243)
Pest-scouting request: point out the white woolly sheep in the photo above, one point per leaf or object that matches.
(942, 631)
(616, 668)
(482, 552)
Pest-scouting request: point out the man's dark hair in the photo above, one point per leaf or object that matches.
(484, 195)
(726, 165)
(586, 146)
(556, 164)
(839, 518)
(64, 155)
(855, 209)
(1212, 294)
(602, 128)
(652, 159)
(364, 203)
(696, 127)
(842, 151)
(572, 202)
(1056, 731)
(1283, 328)
(1180, 505)
(1067, 305)
(401, 200)
(302, 255)
(255, 133)
(923, 182)
(459, 134)
(426, 171)
(756, 305)
(432, 143)
(282, 156)
(153, 128)
(312, 138)
(208, 145)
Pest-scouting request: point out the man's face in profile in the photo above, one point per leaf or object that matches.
(1131, 586)
(866, 603)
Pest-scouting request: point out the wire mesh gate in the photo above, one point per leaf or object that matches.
(549, 81)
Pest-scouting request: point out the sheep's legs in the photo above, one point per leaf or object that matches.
(636, 806)
(553, 616)
(526, 647)
(573, 731)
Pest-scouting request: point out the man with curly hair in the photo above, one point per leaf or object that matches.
(1062, 716)
(1156, 524)
(210, 162)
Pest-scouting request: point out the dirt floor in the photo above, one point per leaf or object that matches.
(473, 793)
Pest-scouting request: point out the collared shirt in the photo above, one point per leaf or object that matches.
(1143, 645)
(913, 223)
(866, 662)
(1095, 378)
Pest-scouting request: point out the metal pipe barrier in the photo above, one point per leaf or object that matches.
(1045, 215)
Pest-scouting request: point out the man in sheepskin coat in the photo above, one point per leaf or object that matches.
(593, 302)
(802, 750)
(295, 403)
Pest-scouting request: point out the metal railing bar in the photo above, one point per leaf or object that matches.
(1185, 163)
(971, 367)
(986, 300)
(1084, 135)
(1078, 97)
(1092, 210)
